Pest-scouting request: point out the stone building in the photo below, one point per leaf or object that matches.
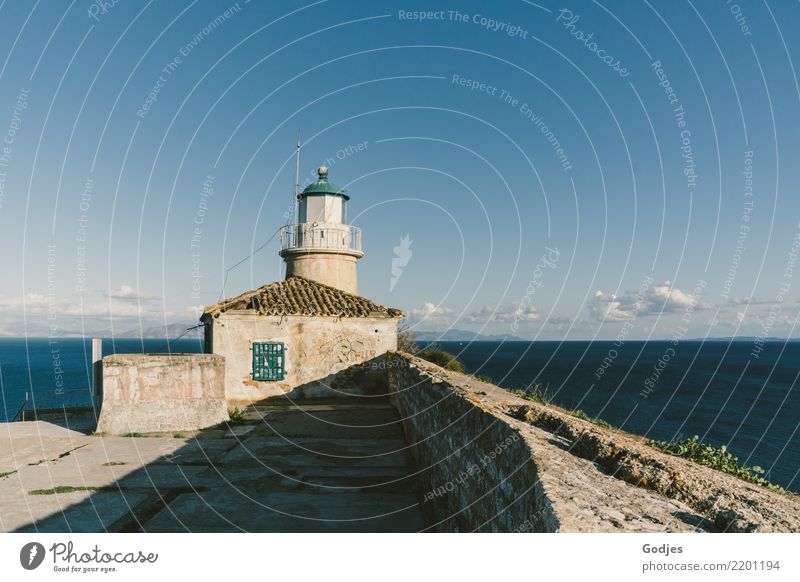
(294, 336)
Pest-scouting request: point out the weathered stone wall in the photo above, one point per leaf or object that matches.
(477, 470)
(162, 393)
(491, 461)
(317, 349)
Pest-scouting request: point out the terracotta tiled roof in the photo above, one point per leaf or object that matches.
(301, 296)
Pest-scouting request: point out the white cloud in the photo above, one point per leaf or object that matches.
(774, 319)
(752, 301)
(655, 300)
(438, 314)
(128, 293)
(560, 321)
(504, 314)
(665, 298)
(36, 304)
(771, 322)
(36, 313)
(431, 310)
(607, 307)
(195, 310)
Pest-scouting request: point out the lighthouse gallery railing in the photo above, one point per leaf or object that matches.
(309, 236)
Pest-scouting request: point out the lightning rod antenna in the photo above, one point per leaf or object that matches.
(297, 169)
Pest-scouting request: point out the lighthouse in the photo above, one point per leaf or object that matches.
(294, 337)
(321, 246)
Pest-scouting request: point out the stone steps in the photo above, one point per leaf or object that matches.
(287, 511)
(332, 465)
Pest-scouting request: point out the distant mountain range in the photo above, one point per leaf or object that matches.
(170, 331)
(461, 335)
(741, 338)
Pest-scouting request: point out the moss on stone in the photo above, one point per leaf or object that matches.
(61, 489)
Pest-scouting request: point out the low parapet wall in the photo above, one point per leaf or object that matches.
(491, 461)
(162, 393)
(476, 469)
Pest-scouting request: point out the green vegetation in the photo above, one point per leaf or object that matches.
(113, 463)
(433, 353)
(61, 489)
(178, 435)
(541, 395)
(95, 433)
(4, 475)
(718, 458)
(133, 434)
(583, 416)
(237, 414)
(535, 392)
(406, 340)
(438, 356)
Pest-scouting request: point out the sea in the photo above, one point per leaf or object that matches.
(725, 392)
(53, 373)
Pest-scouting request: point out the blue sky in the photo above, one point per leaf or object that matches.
(562, 170)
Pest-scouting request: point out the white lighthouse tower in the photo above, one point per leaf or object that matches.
(321, 246)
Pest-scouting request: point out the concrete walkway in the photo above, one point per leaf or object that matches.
(313, 465)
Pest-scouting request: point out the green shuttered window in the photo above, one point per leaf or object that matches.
(268, 361)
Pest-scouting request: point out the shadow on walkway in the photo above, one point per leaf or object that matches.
(314, 465)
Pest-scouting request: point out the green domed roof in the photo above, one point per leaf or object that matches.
(322, 187)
